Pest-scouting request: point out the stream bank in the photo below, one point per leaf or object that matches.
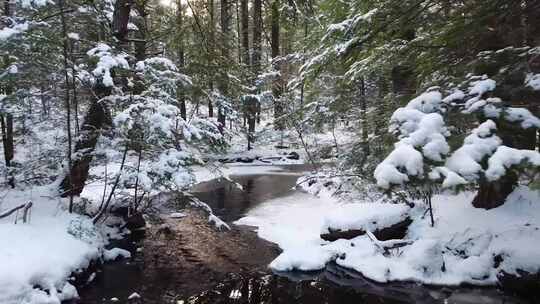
(187, 259)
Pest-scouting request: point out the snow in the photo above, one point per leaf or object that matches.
(483, 86)
(430, 135)
(368, 216)
(460, 248)
(134, 296)
(527, 119)
(8, 32)
(418, 125)
(293, 221)
(74, 36)
(427, 102)
(29, 3)
(403, 158)
(465, 161)
(107, 61)
(115, 253)
(451, 179)
(212, 219)
(505, 157)
(45, 251)
(177, 215)
(477, 89)
(207, 173)
(533, 81)
(454, 96)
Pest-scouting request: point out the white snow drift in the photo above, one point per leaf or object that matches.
(462, 247)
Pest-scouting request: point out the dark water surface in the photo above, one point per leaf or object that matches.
(230, 202)
(193, 263)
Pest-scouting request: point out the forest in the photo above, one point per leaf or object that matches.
(276, 151)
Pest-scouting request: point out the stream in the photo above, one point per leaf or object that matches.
(185, 260)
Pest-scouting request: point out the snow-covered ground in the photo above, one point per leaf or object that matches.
(466, 245)
(38, 257)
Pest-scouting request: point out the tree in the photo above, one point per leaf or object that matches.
(245, 32)
(181, 56)
(422, 154)
(223, 86)
(277, 85)
(257, 45)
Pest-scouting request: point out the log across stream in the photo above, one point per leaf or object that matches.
(185, 260)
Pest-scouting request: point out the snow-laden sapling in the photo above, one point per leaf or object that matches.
(486, 157)
(166, 145)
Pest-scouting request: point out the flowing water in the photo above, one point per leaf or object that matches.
(191, 262)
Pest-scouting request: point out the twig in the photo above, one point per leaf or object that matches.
(384, 246)
(9, 212)
(116, 182)
(26, 207)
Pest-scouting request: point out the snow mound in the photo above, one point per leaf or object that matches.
(467, 245)
(115, 253)
(367, 216)
(37, 258)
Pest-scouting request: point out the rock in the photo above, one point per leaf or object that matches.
(293, 155)
(225, 160)
(245, 160)
(524, 284)
(396, 231)
(334, 235)
(120, 211)
(135, 222)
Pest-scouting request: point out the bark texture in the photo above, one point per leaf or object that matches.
(122, 10)
(97, 119)
(277, 86)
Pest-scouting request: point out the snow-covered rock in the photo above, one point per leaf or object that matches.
(115, 253)
(367, 216)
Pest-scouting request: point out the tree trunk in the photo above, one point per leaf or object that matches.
(364, 119)
(7, 8)
(7, 137)
(277, 87)
(181, 96)
(224, 79)
(142, 33)
(9, 150)
(97, 119)
(257, 47)
(245, 31)
(122, 10)
(403, 82)
(532, 22)
(250, 106)
(211, 43)
(492, 194)
(65, 53)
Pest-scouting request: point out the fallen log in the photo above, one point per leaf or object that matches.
(26, 208)
(385, 246)
(395, 231)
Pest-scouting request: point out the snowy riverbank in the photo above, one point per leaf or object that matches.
(38, 258)
(467, 245)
